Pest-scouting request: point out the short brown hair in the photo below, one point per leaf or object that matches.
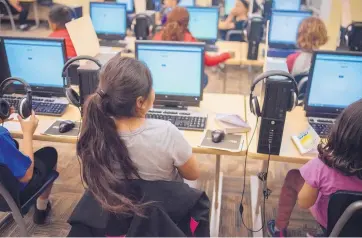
(312, 34)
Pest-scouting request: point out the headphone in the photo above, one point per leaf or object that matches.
(253, 100)
(148, 19)
(25, 105)
(72, 96)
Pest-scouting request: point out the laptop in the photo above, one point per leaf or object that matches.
(335, 81)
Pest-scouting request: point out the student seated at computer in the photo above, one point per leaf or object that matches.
(236, 20)
(167, 7)
(21, 8)
(30, 168)
(59, 15)
(338, 167)
(312, 34)
(118, 143)
(176, 29)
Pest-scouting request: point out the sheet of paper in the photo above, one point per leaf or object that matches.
(12, 126)
(83, 36)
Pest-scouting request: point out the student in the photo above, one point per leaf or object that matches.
(312, 34)
(118, 143)
(176, 29)
(338, 167)
(30, 168)
(168, 6)
(237, 20)
(21, 8)
(59, 15)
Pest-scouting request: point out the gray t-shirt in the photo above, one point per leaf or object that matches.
(156, 149)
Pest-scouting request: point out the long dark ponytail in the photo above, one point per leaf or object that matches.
(106, 164)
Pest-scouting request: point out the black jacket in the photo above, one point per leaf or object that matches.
(175, 206)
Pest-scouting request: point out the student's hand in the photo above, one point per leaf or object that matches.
(232, 54)
(29, 125)
(16, 5)
(12, 110)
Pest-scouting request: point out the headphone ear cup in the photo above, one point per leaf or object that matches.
(257, 107)
(4, 109)
(24, 108)
(72, 97)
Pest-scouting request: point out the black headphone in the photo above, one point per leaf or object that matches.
(253, 100)
(149, 20)
(72, 96)
(25, 105)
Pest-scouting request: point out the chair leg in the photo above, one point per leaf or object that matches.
(15, 211)
(10, 15)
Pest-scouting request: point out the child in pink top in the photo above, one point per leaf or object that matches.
(338, 167)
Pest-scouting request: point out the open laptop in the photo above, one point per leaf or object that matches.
(335, 81)
(283, 31)
(203, 25)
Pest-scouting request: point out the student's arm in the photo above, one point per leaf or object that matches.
(307, 196)
(213, 60)
(228, 23)
(181, 153)
(28, 127)
(190, 170)
(16, 5)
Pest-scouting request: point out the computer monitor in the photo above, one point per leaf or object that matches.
(129, 4)
(291, 5)
(109, 20)
(334, 81)
(39, 61)
(177, 70)
(228, 6)
(203, 23)
(283, 28)
(186, 3)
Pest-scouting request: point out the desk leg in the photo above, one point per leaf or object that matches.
(256, 210)
(216, 201)
(36, 16)
(260, 186)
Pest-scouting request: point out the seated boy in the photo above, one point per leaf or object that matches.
(31, 169)
(59, 15)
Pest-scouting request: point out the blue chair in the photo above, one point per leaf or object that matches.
(10, 198)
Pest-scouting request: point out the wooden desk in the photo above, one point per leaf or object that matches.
(295, 123)
(211, 104)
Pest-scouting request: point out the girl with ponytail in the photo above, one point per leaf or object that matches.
(176, 29)
(117, 143)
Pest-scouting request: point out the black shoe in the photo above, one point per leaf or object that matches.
(41, 215)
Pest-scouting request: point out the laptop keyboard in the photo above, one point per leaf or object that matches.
(321, 126)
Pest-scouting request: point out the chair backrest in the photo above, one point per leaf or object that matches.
(12, 185)
(338, 203)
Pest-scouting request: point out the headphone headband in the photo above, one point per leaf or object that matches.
(271, 73)
(81, 57)
(4, 84)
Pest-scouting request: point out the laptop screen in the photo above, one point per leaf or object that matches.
(203, 22)
(335, 80)
(229, 5)
(284, 26)
(186, 3)
(129, 4)
(167, 63)
(292, 5)
(38, 62)
(109, 18)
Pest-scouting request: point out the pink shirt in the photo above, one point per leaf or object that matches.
(327, 181)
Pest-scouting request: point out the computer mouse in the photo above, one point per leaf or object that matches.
(217, 136)
(66, 126)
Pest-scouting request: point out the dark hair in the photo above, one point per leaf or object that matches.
(343, 150)
(60, 15)
(176, 25)
(245, 3)
(106, 164)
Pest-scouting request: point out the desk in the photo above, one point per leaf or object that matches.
(36, 12)
(211, 104)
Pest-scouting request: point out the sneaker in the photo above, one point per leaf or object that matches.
(273, 233)
(24, 27)
(41, 215)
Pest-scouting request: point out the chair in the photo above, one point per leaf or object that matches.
(10, 201)
(6, 11)
(345, 214)
(302, 80)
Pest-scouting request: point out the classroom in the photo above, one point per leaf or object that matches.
(206, 118)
